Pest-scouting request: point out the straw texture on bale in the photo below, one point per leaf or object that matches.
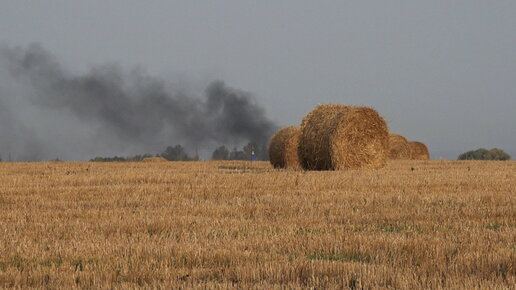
(154, 159)
(419, 151)
(399, 147)
(338, 137)
(283, 148)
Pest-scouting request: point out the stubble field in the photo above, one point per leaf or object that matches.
(412, 224)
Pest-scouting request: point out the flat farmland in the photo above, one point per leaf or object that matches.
(412, 224)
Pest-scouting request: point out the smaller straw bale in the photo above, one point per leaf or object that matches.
(399, 147)
(419, 151)
(283, 148)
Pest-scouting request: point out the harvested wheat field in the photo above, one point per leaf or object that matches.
(409, 225)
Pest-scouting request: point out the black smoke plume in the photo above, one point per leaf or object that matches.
(47, 111)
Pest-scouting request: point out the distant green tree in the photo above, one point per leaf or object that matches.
(176, 153)
(221, 153)
(497, 154)
(109, 159)
(138, 157)
(237, 155)
(484, 154)
(473, 154)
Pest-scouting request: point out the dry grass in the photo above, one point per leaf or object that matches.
(411, 225)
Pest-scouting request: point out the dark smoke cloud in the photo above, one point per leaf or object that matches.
(47, 111)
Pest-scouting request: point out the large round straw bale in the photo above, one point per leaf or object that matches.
(419, 151)
(154, 159)
(399, 147)
(336, 137)
(283, 148)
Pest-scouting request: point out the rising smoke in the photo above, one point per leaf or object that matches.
(48, 112)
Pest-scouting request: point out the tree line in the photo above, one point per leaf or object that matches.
(179, 153)
(484, 154)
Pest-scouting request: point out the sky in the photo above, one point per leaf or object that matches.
(440, 72)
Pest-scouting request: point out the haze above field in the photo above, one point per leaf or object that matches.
(440, 72)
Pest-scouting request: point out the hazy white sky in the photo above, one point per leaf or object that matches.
(442, 72)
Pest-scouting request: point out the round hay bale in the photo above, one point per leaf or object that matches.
(283, 148)
(337, 137)
(154, 159)
(399, 148)
(419, 151)
(291, 145)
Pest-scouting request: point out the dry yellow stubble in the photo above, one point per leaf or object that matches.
(409, 225)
